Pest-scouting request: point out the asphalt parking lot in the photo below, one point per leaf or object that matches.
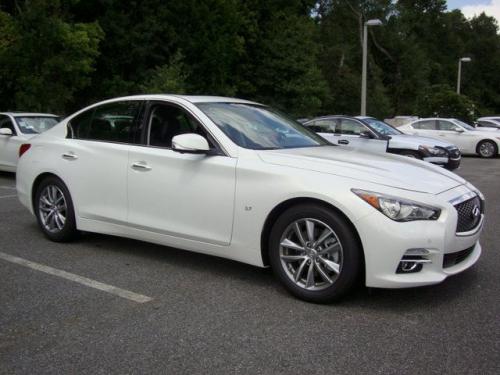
(209, 315)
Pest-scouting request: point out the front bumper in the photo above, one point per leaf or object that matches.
(446, 162)
(385, 242)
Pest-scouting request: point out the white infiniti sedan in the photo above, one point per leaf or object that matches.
(237, 179)
(484, 142)
(17, 128)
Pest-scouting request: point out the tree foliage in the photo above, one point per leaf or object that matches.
(302, 56)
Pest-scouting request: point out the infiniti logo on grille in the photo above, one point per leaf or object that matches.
(475, 212)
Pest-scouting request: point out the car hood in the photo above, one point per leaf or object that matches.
(416, 140)
(384, 169)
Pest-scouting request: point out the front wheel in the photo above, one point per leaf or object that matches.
(487, 149)
(314, 253)
(54, 210)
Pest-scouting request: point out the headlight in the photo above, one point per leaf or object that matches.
(398, 209)
(432, 151)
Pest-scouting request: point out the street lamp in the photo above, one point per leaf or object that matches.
(460, 61)
(373, 22)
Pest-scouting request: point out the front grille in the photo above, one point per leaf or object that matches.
(469, 214)
(452, 259)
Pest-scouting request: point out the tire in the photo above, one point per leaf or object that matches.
(487, 149)
(52, 195)
(411, 154)
(345, 256)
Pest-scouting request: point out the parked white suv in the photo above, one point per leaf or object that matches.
(481, 141)
(237, 179)
(370, 134)
(17, 128)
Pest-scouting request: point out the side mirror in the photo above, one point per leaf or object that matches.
(190, 143)
(459, 130)
(366, 134)
(6, 131)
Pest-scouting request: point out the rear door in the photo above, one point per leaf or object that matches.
(456, 135)
(94, 159)
(425, 128)
(9, 145)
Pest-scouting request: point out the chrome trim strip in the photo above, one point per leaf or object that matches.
(473, 231)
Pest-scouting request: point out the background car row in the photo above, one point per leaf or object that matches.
(370, 134)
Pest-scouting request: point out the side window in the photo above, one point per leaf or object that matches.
(350, 127)
(322, 126)
(425, 125)
(6, 122)
(166, 121)
(446, 125)
(112, 122)
(78, 127)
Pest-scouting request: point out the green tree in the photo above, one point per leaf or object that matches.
(49, 59)
(443, 101)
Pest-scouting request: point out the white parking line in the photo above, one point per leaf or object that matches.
(139, 298)
(8, 196)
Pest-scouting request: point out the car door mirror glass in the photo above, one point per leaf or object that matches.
(190, 143)
(459, 130)
(6, 131)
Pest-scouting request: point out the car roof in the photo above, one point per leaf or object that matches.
(435, 118)
(28, 114)
(189, 98)
(326, 117)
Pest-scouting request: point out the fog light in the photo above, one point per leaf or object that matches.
(413, 261)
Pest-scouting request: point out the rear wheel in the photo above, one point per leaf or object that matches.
(54, 210)
(314, 253)
(487, 149)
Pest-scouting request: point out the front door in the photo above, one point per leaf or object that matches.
(352, 133)
(179, 194)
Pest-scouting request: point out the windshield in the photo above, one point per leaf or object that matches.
(35, 125)
(260, 128)
(464, 125)
(381, 127)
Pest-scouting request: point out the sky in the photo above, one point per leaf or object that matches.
(472, 7)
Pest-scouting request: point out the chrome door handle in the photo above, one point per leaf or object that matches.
(69, 156)
(343, 142)
(140, 165)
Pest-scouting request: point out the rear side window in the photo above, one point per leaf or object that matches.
(425, 125)
(112, 122)
(322, 126)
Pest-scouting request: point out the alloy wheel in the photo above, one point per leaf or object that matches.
(487, 149)
(52, 208)
(311, 254)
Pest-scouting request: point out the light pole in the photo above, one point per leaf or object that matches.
(460, 61)
(373, 22)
